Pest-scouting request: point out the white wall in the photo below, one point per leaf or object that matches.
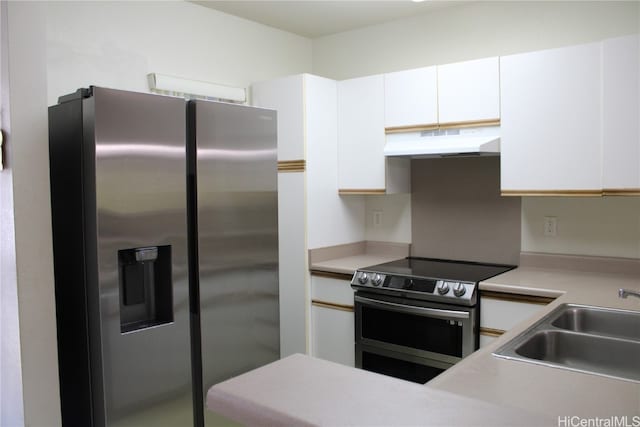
(29, 168)
(116, 44)
(607, 226)
(396, 218)
(11, 408)
(54, 48)
(468, 31)
(482, 29)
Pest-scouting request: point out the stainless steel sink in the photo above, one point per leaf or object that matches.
(599, 321)
(587, 339)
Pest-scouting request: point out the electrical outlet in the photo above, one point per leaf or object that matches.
(377, 219)
(550, 226)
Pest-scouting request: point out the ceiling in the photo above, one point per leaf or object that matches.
(312, 18)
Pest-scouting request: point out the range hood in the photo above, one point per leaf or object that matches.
(476, 141)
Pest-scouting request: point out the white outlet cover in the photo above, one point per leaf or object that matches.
(550, 226)
(377, 218)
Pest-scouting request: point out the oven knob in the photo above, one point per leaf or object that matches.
(459, 290)
(376, 280)
(443, 288)
(363, 278)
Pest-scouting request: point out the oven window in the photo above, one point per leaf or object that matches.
(399, 368)
(410, 330)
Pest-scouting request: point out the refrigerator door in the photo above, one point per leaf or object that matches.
(237, 215)
(142, 276)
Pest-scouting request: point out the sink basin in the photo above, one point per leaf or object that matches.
(580, 338)
(599, 321)
(585, 353)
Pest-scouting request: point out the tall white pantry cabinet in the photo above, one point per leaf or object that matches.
(307, 179)
(286, 96)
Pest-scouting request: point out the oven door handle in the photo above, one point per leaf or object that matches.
(421, 311)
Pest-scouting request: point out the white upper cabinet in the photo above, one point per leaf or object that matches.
(286, 96)
(469, 91)
(411, 98)
(551, 121)
(362, 166)
(621, 116)
(461, 92)
(361, 134)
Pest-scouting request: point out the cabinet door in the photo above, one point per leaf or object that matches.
(469, 91)
(333, 335)
(362, 166)
(502, 315)
(292, 263)
(551, 121)
(411, 98)
(286, 96)
(361, 138)
(485, 340)
(621, 115)
(332, 291)
(500, 312)
(332, 320)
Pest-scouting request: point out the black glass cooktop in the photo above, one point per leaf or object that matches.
(441, 269)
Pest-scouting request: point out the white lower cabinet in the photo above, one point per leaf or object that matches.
(487, 339)
(333, 335)
(500, 312)
(332, 320)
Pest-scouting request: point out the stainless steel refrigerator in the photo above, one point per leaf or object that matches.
(165, 239)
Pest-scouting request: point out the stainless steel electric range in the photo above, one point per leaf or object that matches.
(416, 317)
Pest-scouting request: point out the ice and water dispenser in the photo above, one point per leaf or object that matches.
(145, 287)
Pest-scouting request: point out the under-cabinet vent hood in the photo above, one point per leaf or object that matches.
(482, 141)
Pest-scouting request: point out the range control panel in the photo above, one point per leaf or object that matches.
(455, 292)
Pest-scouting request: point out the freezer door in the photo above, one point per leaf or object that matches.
(141, 222)
(237, 238)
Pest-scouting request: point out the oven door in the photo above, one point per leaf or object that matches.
(399, 365)
(397, 336)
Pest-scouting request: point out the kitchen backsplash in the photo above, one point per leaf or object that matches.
(593, 226)
(457, 211)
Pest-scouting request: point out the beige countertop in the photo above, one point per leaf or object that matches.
(480, 390)
(350, 264)
(302, 390)
(550, 391)
(346, 259)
